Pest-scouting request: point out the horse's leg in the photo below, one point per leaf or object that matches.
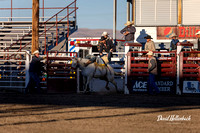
(87, 82)
(115, 84)
(107, 82)
(84, 84)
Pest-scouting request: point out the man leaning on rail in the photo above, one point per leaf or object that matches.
(34, 73)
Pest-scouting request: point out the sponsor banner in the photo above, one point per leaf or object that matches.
(191, 87)
(185, 32)
(142, 86)
(192, 58)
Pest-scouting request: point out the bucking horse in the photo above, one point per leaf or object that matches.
(94, 70)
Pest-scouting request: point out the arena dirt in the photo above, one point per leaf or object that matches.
(73, 113)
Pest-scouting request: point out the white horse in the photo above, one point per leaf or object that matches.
(94, 71)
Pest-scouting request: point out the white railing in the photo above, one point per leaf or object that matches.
(14, 74)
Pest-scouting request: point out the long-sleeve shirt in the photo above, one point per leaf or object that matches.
(109, 45)
(150, 46)
(130, 36)
(35, 65)
(152, 66)
(173, 44)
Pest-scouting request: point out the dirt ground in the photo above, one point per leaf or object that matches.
(116, 113)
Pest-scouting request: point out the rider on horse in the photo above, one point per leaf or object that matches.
(106, 45)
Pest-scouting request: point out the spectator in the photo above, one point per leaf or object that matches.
(129, 32)
(197, 41)
(174, 41)
(149, 46)
(34, 72)
(152, 69)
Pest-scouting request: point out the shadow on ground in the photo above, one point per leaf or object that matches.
(43, 103)
(114, 100)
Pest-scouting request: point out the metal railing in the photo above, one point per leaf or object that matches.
(68, 10)
(14, 74)
(13, 10)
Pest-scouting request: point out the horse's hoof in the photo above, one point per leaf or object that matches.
(107, 88)
(87, 93)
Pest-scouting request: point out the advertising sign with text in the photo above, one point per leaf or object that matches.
(183, 32)
(142, 86)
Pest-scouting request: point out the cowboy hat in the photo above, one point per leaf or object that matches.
(150, 53)
(148, 37)
(36, 52)
(105, 33)
(128, 23)
(197, 33)
(173, 35)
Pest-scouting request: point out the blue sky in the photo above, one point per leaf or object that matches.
(98, 14)
(92, 14)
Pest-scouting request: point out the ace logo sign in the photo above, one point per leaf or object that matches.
(142, 86)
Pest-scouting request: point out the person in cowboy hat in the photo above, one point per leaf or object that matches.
(105, 44)
(174, 41)
(128, 31)
(197, 41)
(34, 72)
(149, 46)
(152, 70)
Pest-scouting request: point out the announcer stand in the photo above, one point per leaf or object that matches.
(129, 47)
(188, 69)
(83, 49)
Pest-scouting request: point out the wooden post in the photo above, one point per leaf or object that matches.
(179, 12)
(35, 25)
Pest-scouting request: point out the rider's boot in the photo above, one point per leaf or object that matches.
(87, 63)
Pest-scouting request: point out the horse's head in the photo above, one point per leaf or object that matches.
(74, 63)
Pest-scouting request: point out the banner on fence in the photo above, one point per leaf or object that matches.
(142, 86)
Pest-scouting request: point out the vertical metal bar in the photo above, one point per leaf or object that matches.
(20, 45)
(43, 11)
(133, 12)
(45, 42)
(56, 29)
(47, 69)
(114, 19)
(68, 22)
(75, 12)
(127, 72)
(128, 11)
(155, 18)
(11, 11)
(27, 68)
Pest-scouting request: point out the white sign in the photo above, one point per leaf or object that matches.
(191, 87)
